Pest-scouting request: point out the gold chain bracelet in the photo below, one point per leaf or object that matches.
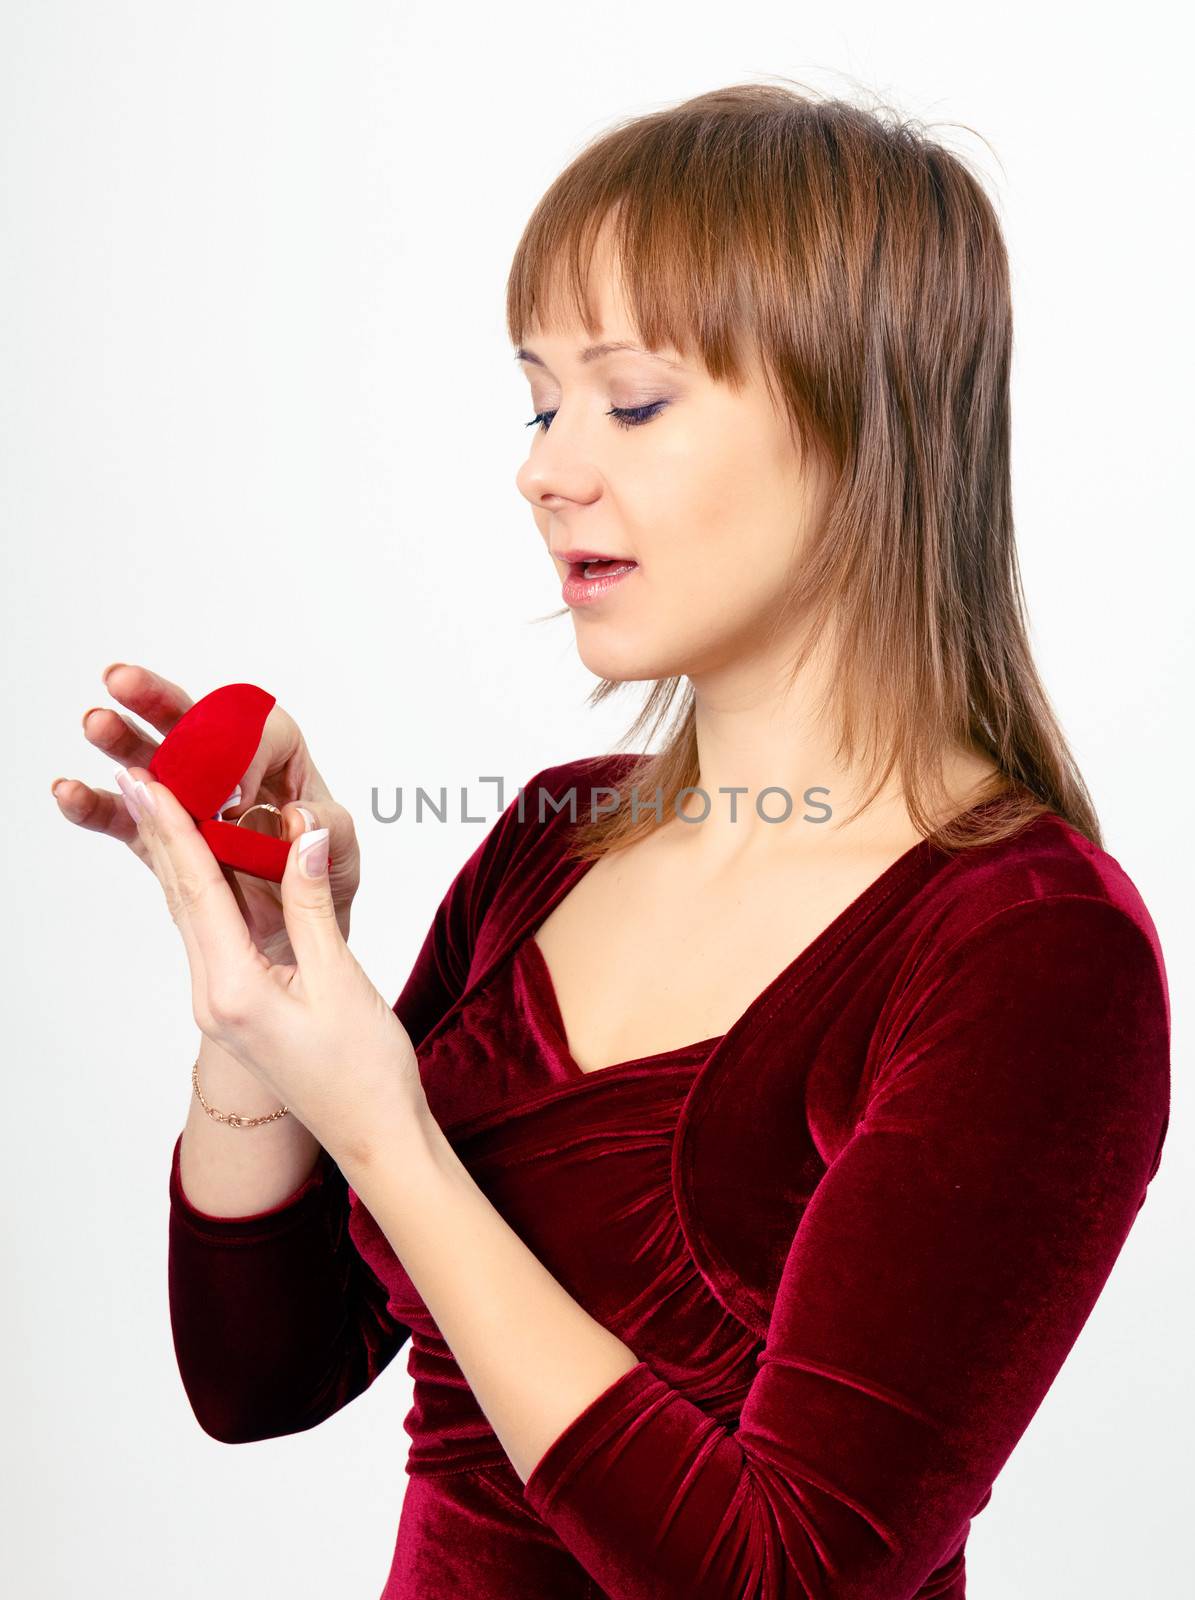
(230, 1117)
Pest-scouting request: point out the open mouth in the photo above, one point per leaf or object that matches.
(599, 569)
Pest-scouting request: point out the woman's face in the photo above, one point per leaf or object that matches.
(650, 460)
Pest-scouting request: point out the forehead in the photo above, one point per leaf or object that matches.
(613, 332)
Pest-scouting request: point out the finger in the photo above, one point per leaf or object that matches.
(117, 737)
(300, 816)
(153, 697)
(159, 864)
(98, 810)
(162, 866)
(204, 907)
(282, 764)
(259, 912)
(147, 694)
(344, 855)
(237, 892)
(309, 910)
(143, 844)
(212, 1011)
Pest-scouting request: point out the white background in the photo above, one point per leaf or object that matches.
(260, 421)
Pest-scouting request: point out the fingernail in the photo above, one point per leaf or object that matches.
(89, 713)
(313, 853)
(146, 799)
(234, 799)
(111, 668)
(128, 793)
(308, 815)
(54, 786)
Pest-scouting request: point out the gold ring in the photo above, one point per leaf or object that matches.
(262, 805)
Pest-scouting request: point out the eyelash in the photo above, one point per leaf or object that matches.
(625, 416)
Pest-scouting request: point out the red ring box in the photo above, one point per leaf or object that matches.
(203, 759)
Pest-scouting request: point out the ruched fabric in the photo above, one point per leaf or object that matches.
(579, 1164)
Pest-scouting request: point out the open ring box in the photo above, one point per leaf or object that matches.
(202, 761)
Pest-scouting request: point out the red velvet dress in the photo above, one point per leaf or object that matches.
(851, 1241)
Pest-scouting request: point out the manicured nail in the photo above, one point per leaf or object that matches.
(54, 786)
(144, 798)
(313, 853)
(234, 799)
(110, 668)
(308, 815)
(129, 793)
(90, 712)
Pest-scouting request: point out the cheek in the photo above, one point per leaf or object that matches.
(721, 544)
(732, 588)
(720, 597)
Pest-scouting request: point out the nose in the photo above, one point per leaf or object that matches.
(550, 478)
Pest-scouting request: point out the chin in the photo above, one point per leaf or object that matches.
(631, 663)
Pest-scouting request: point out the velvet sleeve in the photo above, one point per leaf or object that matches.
(1014, 1111)
(277, 1322)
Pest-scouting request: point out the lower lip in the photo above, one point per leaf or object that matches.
(578, 591)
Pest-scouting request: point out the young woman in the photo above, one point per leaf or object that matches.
(761, 1118)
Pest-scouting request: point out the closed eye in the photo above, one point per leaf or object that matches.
(624, 416)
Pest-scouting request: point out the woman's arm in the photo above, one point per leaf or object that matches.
(939, 1276)
(235, 1172)
(277, 1322)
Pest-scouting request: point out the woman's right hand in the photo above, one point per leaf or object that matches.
(282, 773)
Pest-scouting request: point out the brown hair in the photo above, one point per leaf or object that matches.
(865, 264)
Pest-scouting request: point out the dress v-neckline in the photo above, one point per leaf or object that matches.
(547, 990)
(789, 976)
(834, 932)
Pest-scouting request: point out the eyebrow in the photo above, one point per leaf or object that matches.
(595, 352)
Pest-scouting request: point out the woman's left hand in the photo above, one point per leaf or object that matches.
(315, 1032)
